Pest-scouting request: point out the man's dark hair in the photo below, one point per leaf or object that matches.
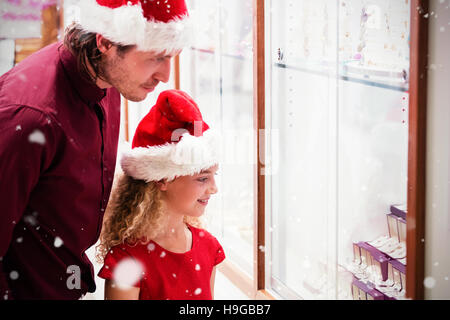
(83, 45)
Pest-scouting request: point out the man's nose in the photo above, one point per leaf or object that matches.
(163, 71)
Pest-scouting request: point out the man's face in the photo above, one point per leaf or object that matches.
(135, 73)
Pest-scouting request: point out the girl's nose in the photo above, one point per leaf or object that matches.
(213, 188)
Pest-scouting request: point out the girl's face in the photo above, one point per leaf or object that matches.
(189, 195)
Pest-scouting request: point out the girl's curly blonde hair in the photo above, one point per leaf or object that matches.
(134, 215)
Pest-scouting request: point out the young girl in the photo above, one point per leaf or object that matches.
(152, 244)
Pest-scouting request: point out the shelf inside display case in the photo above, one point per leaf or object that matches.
(379, 266)
(374, 77)
(228, 55)
(348, 71)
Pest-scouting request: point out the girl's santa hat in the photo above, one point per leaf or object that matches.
(172, 140)
(152, 25)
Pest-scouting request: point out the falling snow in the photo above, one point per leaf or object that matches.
(151, 247)
(31, 219)
(37, 137)
(429, 282)
(58, 242)
(127, 272)
(197, 267)
(197, 291)
(14, 275)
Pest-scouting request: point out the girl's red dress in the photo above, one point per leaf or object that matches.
(170, 275)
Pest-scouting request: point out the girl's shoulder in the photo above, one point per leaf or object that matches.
(204, 236)
(200, 232)
(127, 249)
(206, 242)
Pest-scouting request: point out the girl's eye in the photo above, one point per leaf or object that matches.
(202, 179)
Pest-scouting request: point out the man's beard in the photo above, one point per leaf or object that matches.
(112, 72)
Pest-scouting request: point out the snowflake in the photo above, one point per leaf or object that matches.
(58, 242)
(197, 291)
(163, 254)
(429, 282)
(30, 219)
(14, 275)
(37, 137)
(197, 267)
(127, 272)
(151, 247)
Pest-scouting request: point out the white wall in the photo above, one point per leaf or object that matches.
(437, 223)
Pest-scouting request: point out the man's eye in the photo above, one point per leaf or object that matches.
(202, 179)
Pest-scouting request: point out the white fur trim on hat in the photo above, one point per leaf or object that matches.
(187, 157)
(126, 25)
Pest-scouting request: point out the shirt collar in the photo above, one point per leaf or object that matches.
(89, 92)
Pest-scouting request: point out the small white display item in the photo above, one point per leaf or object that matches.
(389, 246)
(379, 242)
(399, 252)
(394, 250)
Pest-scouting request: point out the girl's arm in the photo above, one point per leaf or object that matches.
(213, 276)
(113, 292)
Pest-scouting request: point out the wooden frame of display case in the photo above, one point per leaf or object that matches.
(415, 238)
(416, 147)
(256, 288)
(259, 126)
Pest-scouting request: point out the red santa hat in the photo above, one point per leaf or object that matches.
(152, 25)
(172, 140)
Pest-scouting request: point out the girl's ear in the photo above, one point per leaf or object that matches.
(162, 184)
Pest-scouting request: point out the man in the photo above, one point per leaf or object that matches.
(59, 125)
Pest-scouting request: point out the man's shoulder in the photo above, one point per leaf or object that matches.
(34, 81)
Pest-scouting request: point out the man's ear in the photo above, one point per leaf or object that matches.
(103, 44)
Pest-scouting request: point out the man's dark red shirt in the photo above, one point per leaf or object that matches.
(58, 144)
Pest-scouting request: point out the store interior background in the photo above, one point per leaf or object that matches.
(319, 207)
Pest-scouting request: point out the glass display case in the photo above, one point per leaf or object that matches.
(338, 77)
(218, 72)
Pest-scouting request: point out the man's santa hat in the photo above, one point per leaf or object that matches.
(152, 25)
(172, 140)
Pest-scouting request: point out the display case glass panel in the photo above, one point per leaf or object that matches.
(338, 78)
(218, 72)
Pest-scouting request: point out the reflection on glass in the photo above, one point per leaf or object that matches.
(339, 99)
(218, 72)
